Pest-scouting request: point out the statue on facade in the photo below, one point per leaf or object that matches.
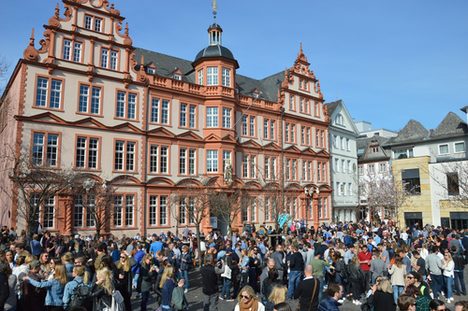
(228, 172)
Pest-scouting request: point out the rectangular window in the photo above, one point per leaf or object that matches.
(226, 159)
(163, 160)
(67, 49)
(212, 76)
(129, 209)
(182, 210)
(292, 105)
(155, 110)
(87, 149)
(192, 113)
(266, 168)
(90, 211)
(49, 143)
(226, 118)
(113, 60)
(244, 125)
(183, 115)
(459, 147)
(265, 128)
(78, 212)
(163, 210)
(187, 115)
(453, 186)
(252, 126)
(90, 105)
(153, 210)
(212, 161)
(118, 206)
(183, 161)
(55, 94)
(88, 22)
(44, 98)
(411, 181)
(104, 57)
(41, 92)
(49, 208)
(97, 24)
(443, 149)
(165, 112)
(154, 158)
(124, 153)
(126, 105)
(226, 77)
(200, 76)
(272, 129)
(212, 117)
(77, 52)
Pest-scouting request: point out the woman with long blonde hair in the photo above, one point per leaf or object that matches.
(102, 290)
(397, 272)
(449, 266)
(277, 295)
(55, 287)
(382, 295)
(247, 300)
(168, 284)
(123, 279)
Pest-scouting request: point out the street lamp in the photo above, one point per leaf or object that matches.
(312, 193)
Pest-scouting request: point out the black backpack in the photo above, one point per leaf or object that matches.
(81, 296)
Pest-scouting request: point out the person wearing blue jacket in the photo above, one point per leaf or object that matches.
(334, 293)
(168, 285)
(78, 273)
(55, 287)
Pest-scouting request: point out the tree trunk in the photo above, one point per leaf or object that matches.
(199, 244)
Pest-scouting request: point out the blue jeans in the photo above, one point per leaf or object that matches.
(436, 284)
(226, 292)
(449, 286)
(184, 275)
(460, 282)
(293, 283)
(397, 290)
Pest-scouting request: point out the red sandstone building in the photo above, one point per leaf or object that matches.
(152, 125)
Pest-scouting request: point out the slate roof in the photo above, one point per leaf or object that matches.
(451, 125)
(266, 88)
(413, 131)
(332, 106)
(366, 142)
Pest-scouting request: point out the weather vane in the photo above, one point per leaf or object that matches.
(215, 8)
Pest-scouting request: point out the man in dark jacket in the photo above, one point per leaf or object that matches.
(296, 266)
(334, 293)
(308, 291)
(4, 288)
(209, 275)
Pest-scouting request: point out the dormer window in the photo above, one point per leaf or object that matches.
(200, 76)
(339, 119)
(151, 70)
(177, 77)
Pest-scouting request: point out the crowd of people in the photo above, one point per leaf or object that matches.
(374, 267)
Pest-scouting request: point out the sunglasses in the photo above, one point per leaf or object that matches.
(245, 297)
(123, 257)
(410, 277)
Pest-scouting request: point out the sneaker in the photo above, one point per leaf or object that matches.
(341, 301)
(230, 299)
(186, 291)
(358, 303)
(221, 298)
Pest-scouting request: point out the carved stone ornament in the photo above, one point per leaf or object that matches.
(30, 53)
(142, 77)
(54, 21)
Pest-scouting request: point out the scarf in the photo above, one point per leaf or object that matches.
(252, 305)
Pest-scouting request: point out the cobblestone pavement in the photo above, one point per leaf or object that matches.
(195, 298)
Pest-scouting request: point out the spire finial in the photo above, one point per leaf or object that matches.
(301, 48)
(31, 39)
(57, 11)
(126, 29)
(215, 8)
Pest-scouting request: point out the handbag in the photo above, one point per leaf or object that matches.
(227, 272)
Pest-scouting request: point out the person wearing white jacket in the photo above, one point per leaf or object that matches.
(449, 266)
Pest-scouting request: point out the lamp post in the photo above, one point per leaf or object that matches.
(314, 195)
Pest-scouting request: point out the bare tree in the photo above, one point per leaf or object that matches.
(97, 198)
(228, 205)
(385, 196)
(452, 178)
(36, 186)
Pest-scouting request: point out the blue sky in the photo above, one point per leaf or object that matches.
(389, 61)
